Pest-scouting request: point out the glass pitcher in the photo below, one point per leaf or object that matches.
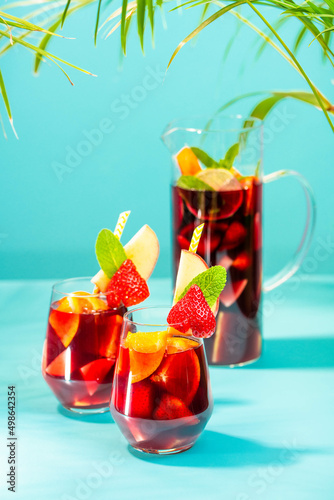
(217, 179)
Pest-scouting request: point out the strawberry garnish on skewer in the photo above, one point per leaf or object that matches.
(127, 286)
(193, 312)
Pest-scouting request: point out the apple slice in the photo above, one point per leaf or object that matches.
(143, 250)
(232, 291)
(191, 265)
(94, 372)
(101, 280)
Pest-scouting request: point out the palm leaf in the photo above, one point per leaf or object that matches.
(123, 19)
(203, 25)
(6, 102)
(150, 11)
(23, 24)
(301, 35)
(313, 88)
(141, 6)
(65, 12)
(48, 55)
(97, 21)
(263, 108)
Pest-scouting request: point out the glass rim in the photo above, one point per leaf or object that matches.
(71, 294)
(161, 306)
(172, 127)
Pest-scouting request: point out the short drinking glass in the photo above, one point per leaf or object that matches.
(81, 346)
(161, 400)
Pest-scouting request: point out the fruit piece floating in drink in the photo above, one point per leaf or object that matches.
(85, 319)
(161, 396)
(215, 192)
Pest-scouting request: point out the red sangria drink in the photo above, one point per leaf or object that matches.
(231, 238)
(86, 316)
(81, 347)
(217, 181)
(161, 397)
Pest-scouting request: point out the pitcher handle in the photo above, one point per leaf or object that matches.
(295, 262)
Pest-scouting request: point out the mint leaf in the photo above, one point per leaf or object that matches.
(191, 182)
(204, 158)
(211, 282)
(109, 252)
(230, 156)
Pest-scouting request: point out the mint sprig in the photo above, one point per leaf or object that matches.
(109, 252)
(226, 162)
(230, 156)
(211, 282)
(204, 158)
(191, 182)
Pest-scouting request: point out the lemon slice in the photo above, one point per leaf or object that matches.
(220, 179)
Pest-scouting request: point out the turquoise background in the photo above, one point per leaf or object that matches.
(50, 222)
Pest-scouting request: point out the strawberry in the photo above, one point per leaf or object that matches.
(141, 399)
(126, 286)
(242, 261)
(193, 311)
(234, 235)
(171, 407)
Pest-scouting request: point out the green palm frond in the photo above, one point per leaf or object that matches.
(6, 102)
(315, 18)
(273, 97)
(315, 23)
(25, 27)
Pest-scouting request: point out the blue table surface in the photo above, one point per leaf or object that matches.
(270, 436)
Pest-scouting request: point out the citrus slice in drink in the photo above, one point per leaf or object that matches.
(84, 301)
(65, 319)
(187, 161)
(220, 179)
(65, 323)
(179, 344)
(146, 350)
(60, 365)
(146, 342)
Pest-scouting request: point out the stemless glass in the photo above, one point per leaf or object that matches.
(161, 400)
(232, 235)
(81, 347)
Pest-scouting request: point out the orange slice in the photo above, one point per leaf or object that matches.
(178, 344)
(89, 303)
(65, 324)
(173, 331)
(65, 319)
(146, 342)
(146, 350)
(188, 162)
(59, 365)
(142, 365)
